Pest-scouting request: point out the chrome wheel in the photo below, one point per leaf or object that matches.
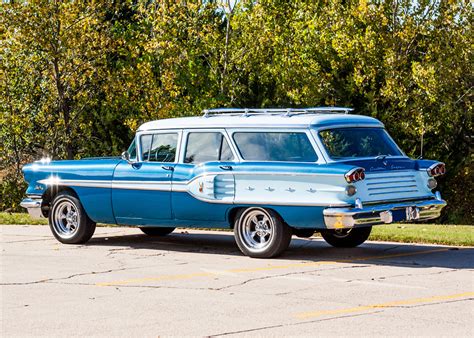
(261, 233)
(66, 219)
(257, 229)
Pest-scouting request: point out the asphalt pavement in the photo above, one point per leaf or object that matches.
(125, 283)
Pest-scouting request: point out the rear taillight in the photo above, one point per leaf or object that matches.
(437, 169)
(354, 175)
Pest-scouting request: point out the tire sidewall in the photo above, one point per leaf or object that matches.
(278, 241)
(83, 222)
(354, 238)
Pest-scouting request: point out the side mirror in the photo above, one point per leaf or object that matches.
(126, 157)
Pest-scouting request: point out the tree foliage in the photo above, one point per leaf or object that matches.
(77, 78)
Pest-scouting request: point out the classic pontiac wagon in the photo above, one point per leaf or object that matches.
(265, 173)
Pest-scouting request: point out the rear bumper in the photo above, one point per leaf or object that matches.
(33, 206)
(339, 218)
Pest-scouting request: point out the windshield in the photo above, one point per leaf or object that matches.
(346, 143)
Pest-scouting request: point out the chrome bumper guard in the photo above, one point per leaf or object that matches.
(33, 206)
(340, 218)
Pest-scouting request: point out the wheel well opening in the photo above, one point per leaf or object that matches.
(231, 215)
(233, 212)
(50, 194)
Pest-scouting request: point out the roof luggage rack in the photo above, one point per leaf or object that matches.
(275, 111)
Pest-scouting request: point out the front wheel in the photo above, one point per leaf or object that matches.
(68, 220)
(346, 238)
(261, 233)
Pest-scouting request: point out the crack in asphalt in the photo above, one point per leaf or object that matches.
(284, 275)
(382, 278)
(371, 312)
(290, 324)
(29, 240)
(64, 278)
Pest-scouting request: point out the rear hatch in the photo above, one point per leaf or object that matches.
(391, 179)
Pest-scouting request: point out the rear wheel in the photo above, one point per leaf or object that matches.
(346, 238)
(261, 233)
(157, 231)
(68, 220)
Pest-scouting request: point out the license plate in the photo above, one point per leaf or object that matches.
(412, 213)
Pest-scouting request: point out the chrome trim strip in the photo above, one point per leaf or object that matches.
(77, 183)
(392, 182)
(145, 184)
(142, 185)
(237, 201)
(371, 177)
(392, 192)
(261, 173)
(399, 200)
(393, 187)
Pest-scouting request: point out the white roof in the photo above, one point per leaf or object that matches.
(261, 121)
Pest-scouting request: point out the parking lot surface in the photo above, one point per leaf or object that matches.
(124, 283)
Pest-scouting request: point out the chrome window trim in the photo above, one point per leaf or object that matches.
(139, 135)
(307, 131)
(184, 143)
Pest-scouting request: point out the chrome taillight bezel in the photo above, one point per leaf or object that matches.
(436, 169)
(355, 175)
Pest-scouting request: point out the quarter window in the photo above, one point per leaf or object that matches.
(132, 150)
(205, 147)
(275, 146)
(159, 147)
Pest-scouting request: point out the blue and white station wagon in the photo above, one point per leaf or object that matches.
(265, 173)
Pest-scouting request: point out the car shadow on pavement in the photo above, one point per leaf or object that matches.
(301, 250)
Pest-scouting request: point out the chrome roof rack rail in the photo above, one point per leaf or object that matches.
(275, 111)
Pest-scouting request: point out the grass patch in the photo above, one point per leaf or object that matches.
(405, 233)
(20, 218)
(424, 233)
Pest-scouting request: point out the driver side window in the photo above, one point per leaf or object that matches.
(159, 147)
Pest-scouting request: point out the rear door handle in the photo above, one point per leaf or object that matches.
(226, 167)
(167, 167)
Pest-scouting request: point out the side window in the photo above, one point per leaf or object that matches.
(159, 147)
(205, 147)
(275, 146)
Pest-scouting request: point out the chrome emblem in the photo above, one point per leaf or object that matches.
(384, 163)
(201, 187)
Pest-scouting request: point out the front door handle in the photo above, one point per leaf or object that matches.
(226, 167)
(167, 167)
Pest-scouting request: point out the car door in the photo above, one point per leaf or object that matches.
(203, 184)
(141, 193)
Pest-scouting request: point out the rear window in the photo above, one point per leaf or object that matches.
(275, 146)
(343, 143)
